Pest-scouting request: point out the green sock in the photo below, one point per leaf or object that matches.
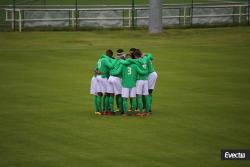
(106, 103)
(96, 104)
(140, 105)
(144, 101)
(148, 105)
(150, 97)
(111, 103)
(131, 101)
(103, 102)
(117, 101)
(120, 103)
(133, 105)
(125, 105)
(99, 103)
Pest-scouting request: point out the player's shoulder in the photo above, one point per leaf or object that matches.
(133, 65)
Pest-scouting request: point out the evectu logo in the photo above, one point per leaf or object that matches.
(235, 154)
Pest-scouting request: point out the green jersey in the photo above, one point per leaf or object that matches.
(150, 64)
(142, 63)
(104, 65)
(129, 74)
(117, 65)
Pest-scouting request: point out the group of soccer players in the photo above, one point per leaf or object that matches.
(122, 78)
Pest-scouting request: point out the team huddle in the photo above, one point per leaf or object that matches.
(126, 77)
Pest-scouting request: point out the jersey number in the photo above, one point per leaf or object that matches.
(99, 64)
(144, 66)
(129, 70)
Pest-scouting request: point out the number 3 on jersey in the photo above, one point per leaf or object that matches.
(129, 70)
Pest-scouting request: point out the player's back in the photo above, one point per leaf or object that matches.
(150, 65)
(129, 75)
(103, 68)
(143, 65)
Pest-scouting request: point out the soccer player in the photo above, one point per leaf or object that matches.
(94, 87)
(142, 83)
(152, 77)
(103, 66)
(129, 75)
(94, 93)
(114, 83)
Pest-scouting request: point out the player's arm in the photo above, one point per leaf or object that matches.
(118, 71)
(125, 62)
(138, 62)
(96, 71)
(133, 61)
(110, 64)
(149, 56)
(142, 72)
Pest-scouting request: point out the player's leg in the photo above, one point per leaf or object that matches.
(111, 102)
(118, 99)
(145, 94)
(103, 103)
(150, 94)
(133, 99)
(130, 101)
(107, 95)
(125, 95)
(102, 82)
(93, 91)
(118, 92)
(151, 85)
(110, 90)
(99, 102)
(144, 102)
(139, 86)
(99, 94)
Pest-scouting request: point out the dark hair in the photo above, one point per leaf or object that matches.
(132, 50)
(109, 52)
(137, 53)
(120, 51)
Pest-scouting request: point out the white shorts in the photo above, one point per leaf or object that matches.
(110, 88)
(152, 80)
(114, 85)
(142, 87)
(93, 86)
(129, 92)
(102, 84)
(117, 83)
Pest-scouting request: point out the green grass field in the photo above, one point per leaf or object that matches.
(201, 102)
